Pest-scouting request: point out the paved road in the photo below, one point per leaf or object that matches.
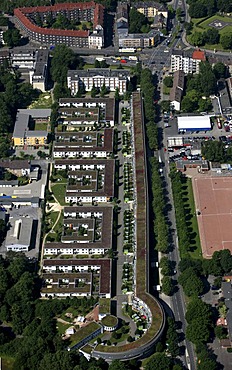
(177, 301)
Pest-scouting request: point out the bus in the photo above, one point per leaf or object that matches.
(127, 50)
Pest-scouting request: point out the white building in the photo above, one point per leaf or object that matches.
(194, 123)
(189, 63)
(87, 79)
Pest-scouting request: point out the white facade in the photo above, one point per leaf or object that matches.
(75, 153)
(72, 250)
(80, 197)
(184, 63)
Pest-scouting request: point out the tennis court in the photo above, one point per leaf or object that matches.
(213, 199)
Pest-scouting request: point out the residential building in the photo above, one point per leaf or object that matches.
(86, 111)
(139, 40)
(99, 266)
(89, 144)
(66, 285)
(25, 19)
(2, 30)
(18, 238)
(189, 63)
(87, 79)
(129, 40)
(23, 134)
(150, 9)
(23, 58)
(177, 90)
(39, 75)
(10, 202)
(90, 186)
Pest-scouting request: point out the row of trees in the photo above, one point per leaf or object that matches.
(181, 223)
(211, 36)
(13, 95)
(148, 90)
(138, 22)
(204, 8)
(158, 205)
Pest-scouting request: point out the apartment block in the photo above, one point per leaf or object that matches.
(189, 63)
(87, 79)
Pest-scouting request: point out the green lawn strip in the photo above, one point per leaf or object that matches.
(59, 192)
(51, 217)
(61, 327)
(205, 23)
(59, 224)
(42, 102)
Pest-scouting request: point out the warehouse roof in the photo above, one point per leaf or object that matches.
(194, 122)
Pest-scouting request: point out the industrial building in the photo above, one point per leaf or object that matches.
(194, 123)
(18, 238)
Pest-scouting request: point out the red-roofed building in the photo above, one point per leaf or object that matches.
(91, 12)
(199, 55)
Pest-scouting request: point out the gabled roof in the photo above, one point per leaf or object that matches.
(199, 55)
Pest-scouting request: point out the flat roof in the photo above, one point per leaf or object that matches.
(194, 122)
(104, 265)
(19, 232)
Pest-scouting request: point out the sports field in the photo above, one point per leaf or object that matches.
(213, 198)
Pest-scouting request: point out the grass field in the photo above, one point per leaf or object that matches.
(59, 192)
(44, 101)
(203, 24)
(192, 220)
(7, 363)
(41, 126)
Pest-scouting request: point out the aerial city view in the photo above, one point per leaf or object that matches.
(115, 185)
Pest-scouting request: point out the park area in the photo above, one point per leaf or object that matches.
(222, 24)
(213, 199)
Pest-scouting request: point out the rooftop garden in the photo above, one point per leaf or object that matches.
(109, 320)
(83, 333)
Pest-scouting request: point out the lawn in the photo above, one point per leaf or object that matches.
(59, 192)
(192, 219)
(51, 217)
(44, 101)
(84, 332)
(41, 126)
(62, 327)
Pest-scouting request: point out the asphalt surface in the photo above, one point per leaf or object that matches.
(177, 300)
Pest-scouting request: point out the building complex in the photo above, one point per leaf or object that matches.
(91, 12)
(187, 62)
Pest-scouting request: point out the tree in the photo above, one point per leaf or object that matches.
(63, 58)
(197, 309)
(197, 39)
(103, 91)
(97, 64)
(165, 266)
(159, 361)
(197, 10)
(12, 37)
(117, 365)
(220, 332)
(165, 105)
(191, 282)
(220, 70)
(136, 21)
(94, 91)
(211, 36)
(168, 81)
(226, 40)
(204, 105)
(117, 96)
(167, 285)
(198, 331)
(172, 338)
